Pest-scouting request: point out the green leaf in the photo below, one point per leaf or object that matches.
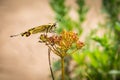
(117, 26)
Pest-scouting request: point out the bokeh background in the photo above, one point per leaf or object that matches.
(24, 58)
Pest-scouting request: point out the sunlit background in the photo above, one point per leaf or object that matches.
(24, 58)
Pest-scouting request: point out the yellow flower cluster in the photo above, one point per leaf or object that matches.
(60, 44)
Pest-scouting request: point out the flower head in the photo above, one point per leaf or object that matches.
(63, 42)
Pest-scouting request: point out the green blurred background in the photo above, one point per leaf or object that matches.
(96, 21)
(100, 58)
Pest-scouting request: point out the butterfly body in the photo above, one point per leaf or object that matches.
(39, 29)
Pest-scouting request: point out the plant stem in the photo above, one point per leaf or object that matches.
(50, 64)
(62, 68)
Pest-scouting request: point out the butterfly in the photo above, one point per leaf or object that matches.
(48, 28)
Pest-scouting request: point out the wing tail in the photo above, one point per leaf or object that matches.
(15, 35)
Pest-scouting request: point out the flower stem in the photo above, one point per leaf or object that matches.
(62, 68)
(50, 64)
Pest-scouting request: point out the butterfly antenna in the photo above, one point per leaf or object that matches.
(59, 20)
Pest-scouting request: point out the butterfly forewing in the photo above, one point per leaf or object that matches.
(39, 29)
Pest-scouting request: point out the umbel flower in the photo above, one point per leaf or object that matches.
(64, 44)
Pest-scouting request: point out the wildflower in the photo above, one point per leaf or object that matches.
(60, 44)
(80, 45)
